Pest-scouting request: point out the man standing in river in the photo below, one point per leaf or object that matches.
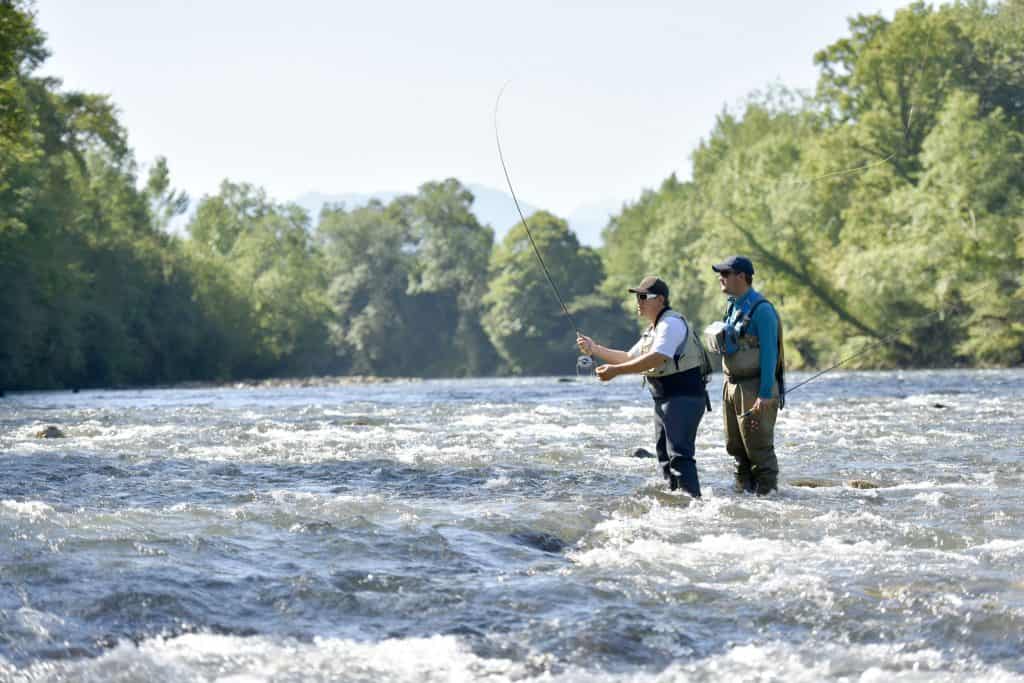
(670, 357)
(750, 341)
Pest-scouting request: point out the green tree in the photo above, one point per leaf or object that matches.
(924, 95)
(22, 50)
(449, 252)
(368, 262)
(667, 233)
(962, 223)
(523, 318)
(50, 231)
(276, 277)
(221, 218)
(415, 269)
(165, 203)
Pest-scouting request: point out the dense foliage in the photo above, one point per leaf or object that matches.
(884, 210)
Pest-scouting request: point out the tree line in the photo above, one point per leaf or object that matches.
(886, 208)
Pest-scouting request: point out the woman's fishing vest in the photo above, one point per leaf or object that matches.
(685, 373)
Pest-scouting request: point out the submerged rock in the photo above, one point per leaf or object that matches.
(826, 483)
(863, 484)
(813, 483)
(539, 540)
(50, 432)
(642, 453)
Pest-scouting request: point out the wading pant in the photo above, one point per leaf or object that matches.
(675, 435)
(750, 440)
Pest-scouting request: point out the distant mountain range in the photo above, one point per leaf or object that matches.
(492, 207)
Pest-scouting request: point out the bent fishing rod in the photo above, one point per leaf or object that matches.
(529, 233)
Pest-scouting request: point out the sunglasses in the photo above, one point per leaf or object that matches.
(724, 273)
(641, 297)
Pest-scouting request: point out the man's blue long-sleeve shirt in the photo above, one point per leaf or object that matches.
(765, 326)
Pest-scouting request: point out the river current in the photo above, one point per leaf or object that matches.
(499, 530)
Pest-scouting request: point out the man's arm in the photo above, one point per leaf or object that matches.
(766, 326)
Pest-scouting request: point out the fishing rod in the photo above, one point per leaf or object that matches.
(869, 347)
(529, 233)
(583, 363)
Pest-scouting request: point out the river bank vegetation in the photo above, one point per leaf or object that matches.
(889, 200)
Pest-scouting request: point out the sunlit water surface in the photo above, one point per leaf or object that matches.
(497, 530)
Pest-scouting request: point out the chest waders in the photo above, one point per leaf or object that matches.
(750, 439)
(741, 352)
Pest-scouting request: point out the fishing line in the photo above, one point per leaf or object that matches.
(802, 182)
(873, 345)
(871, 164)
(501, 157)
(848, 171)
(870, 347)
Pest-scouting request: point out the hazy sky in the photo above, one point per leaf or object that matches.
(605, 99)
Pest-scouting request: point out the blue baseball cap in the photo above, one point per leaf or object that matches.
(739, 264)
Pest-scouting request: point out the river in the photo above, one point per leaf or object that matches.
(498, 530)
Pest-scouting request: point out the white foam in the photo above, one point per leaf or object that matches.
(466, 421)
(34, 510)
(230, 659)
(931, 485)
(1003, 548)
(813, 662)
(445, 659)
(546, 409)
(661, 545)
(933, 499)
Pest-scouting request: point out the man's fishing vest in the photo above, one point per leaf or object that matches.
(741, 352)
